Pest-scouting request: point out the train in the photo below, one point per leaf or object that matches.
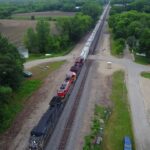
(40, 134)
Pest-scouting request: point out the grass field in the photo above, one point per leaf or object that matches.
(119, 123)
(21, 96)
(145, 74)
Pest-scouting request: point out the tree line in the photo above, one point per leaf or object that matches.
(13, 7)
(118, 6)
(131, 26)
(71, 29)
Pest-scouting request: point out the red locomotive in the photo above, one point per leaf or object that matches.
(66, 85)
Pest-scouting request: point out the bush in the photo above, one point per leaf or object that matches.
(117, 46)
(5, 94)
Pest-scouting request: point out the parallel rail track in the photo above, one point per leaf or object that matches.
(72, 114)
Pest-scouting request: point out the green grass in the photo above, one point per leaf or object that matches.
(142, 60)
(9, 111)
(119, 123)
(145, 74)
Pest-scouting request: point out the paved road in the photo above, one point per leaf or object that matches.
(139, 117)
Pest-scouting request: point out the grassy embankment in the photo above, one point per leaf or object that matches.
(145, 74)
(26, 90)
(118, 124)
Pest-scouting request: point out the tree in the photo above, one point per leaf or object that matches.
(135, 29)
(5, 94)
(11, 65)
(75, 27)
(144, 42)
(30, 41)
(43, 32)
(92, 9)
(131, 40)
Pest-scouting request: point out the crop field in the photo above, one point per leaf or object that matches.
(15, 30)
(52, 14)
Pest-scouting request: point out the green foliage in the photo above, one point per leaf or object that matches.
(92, 9)
(140, 5)
(145, 74)
(119, 123)
(141, 59)
(11, 65)
(5, 94)
(144, 42)
(75, 27)
(43, 32)
(117, 46)
(133, 27)
(71, 30)
(9, 110)
(30, 40)
(131, 41)
(126, 5)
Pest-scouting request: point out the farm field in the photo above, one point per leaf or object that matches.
(42, 14)
(14, 30)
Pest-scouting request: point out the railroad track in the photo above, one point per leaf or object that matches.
(71, 118)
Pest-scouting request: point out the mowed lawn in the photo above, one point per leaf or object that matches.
(119, 123)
